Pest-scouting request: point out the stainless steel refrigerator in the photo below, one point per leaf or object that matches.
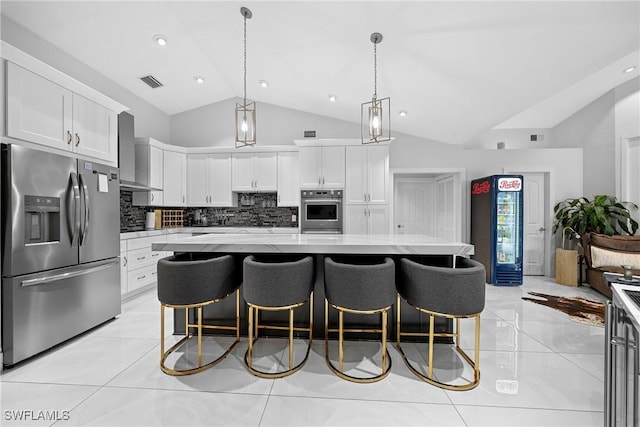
(60, 248)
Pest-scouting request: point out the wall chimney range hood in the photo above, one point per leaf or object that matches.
(126, 155)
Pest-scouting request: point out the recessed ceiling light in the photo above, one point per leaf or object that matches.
(628, 70)
(263, 83)
(199, 79)
(403, 113)
(160, 39)
(332, 98)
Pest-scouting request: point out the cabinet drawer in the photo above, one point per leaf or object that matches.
(139, 258)
(144, 242)
(141, 277)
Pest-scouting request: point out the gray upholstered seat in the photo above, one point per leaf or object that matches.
(277, 283)
(452, 293)
(195, 278)
(458, 291)
(270, 281)
(192, 281)
(360, 285)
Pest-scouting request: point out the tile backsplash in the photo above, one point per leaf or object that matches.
(253, 210)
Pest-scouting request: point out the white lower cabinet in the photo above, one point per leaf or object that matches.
(138, 263)
(367, 219)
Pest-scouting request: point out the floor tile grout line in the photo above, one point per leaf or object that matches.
(563, 355)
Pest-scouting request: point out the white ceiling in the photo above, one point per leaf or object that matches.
(458, 68)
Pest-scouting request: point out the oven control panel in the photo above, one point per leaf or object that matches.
(321, 194)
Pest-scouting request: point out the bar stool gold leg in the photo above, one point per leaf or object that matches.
(254, 314)
(384, 342)
(290, 338)
(199, 336)
(198, 310)
(161, 330)
(340, 339)
(431, 327)
(250, 351)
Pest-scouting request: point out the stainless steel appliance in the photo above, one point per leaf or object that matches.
(321, 211)
(60, 247)
(622, 359)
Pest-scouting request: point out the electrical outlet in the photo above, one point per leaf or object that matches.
(294, 217)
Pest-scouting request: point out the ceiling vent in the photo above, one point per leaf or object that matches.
(151, 81)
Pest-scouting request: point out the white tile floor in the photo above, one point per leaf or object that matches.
(538, 368)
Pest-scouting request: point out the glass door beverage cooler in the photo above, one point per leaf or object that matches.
(496, 227)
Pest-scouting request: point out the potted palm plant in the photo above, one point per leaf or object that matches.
(603, 215)
(577, 218)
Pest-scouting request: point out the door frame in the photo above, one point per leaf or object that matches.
(549, 195)
(460, 196)
(621, 183)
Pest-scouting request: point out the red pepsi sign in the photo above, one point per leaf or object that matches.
(509, 184)
(480, 187)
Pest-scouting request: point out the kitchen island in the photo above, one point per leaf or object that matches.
(319, 245)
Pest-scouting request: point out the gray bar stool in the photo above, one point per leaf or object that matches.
(360, 285)
(452, 293)
(277, 283)
(193, 281)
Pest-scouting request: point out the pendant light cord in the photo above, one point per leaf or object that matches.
(375, 70)
(245, 59)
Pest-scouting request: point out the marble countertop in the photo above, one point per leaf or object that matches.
(213, 230)
(388, 244)
(623, 301)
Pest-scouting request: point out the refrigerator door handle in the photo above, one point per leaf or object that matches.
(75, 224)
(87, 212)
(67, 275)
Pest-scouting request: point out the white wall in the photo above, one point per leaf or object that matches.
(149, 120)
(214, 125)
(593, 128)
(513, 139)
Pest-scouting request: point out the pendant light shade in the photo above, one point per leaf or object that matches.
(245, 112)
(375, 116)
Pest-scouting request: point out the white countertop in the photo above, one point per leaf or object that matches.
(391, 244)
(213, 230)
(621, 298)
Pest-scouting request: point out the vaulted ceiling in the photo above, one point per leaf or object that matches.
(458, 68)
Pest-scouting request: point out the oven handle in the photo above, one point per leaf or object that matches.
(321, 201)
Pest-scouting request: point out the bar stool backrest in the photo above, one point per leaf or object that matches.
(187, 279)
(360, 283)
(456, 291)
(277, 281)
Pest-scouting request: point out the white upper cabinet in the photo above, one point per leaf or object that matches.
(367, 174)
(38, 110)
(322, 167)
(209, 180)
(288, 175)
(149, 171)
(43, 112)
(95, 129)
(175, 179)
(254, 172)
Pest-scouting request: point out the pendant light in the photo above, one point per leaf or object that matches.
(245, 113)
(375, 116)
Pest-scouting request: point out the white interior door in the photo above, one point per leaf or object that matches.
(445, 208)
(534, 227)
(630, 173)
(413, 202)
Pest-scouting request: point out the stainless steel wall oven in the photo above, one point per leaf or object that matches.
(321, 211)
